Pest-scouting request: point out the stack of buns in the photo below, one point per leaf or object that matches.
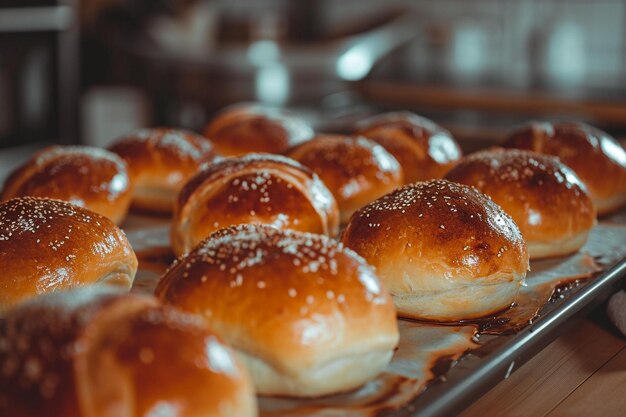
(261, 266)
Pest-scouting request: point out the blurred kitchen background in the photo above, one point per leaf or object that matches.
(88, 71)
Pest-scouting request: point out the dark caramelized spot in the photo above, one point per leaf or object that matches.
(440, 220)
(596, 157)
(545, 198)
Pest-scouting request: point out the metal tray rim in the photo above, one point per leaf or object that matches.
(451, 398)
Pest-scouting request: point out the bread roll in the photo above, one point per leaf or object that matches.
(307, 316)
(545, 198)
(255, 188)
(445, 251)
(596, 157)
(356, 170)
(85, 176)
(160, 161)
(246, 129)
(424, 149)
(49, 245)
(85, 353)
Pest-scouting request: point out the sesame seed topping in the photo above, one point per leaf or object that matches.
(247, 249)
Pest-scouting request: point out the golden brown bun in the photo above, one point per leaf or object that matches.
(88, 353)
(596, 157)
(424, 149)
(50, 245)
(356, 170)
(444, 251)
(255, 188)
(545, 198)
(307, 316)
(246, 129)
(88, 177)
(160, 161)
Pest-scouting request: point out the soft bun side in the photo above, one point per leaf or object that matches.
(160, 161)
(545, 198)
(94, 352)
(244, 129)
(256, 188)
(424, 149)
(356, 170)
(88, 177)
(307, 316)
(445, 251)
(596, 157)
(50, 245)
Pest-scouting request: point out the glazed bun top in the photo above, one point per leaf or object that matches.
(89, 177)
(289, 298)
(160, 161)
(546, 199)
(170, 155)
(246, 129)
(256, 188)
(453, 229)
(596, 157)
(424, 149)
(356, 170)
(49, 245)
(94, 352)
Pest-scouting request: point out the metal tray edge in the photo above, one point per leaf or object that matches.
(444, 400)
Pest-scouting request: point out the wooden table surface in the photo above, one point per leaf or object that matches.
(582, 373)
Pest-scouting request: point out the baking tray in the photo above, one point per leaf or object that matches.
(459, 379)
(439, 370)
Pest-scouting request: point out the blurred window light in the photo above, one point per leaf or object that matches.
(272, 84)
(36, 18)
(469, 51)
(263, 52)
(355, 63)
(614, 151)
(565, 54)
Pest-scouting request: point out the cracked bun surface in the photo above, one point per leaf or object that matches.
(307, 316)
(445, 251)
(92, 352)
(255, 188)
(596, 157)
(545, 198)
(424, 149)
(160, 161)
(88, 177)
(51, 245)
(355, 169)
(243, 129)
